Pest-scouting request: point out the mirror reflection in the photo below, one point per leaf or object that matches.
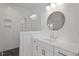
(56, 20)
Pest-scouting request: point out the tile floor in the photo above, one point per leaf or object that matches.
(11, 52)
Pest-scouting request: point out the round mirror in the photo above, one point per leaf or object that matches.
(56, 20)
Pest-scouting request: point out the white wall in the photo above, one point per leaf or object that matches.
(9, 37)
(70, 31)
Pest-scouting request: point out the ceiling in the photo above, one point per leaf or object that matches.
(32, 6)
(28, 6)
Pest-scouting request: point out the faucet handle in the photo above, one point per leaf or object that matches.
(53, 37)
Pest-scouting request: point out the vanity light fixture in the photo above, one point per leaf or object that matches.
(53, 5)
(59, 3)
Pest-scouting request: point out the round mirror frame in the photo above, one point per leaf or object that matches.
(56, 20)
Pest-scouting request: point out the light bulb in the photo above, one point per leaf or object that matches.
(53, 5)
(47, 7)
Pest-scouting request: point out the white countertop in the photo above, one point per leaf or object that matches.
(72, 47)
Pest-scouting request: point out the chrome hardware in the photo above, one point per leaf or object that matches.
(62, 54)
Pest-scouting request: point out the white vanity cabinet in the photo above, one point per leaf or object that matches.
(32, 44)
(41, 48)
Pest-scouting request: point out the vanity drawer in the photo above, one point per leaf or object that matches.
(62, 52)
(43, 51)
(46, 45)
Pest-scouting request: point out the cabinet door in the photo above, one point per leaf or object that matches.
(49, 53)
(25, 44)
(35, 47)
(44, 49)
(62, 52)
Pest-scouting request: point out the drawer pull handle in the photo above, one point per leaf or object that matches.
(62, 54)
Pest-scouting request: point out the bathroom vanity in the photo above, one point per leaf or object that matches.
(34, 44)
(44, 47)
